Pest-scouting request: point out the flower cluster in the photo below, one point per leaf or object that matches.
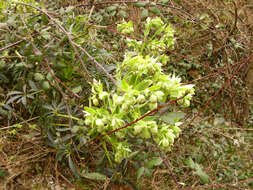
(142, 85)
(157, 37)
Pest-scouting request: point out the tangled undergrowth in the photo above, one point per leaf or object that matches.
(94, 95)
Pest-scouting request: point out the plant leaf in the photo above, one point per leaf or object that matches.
(32, 85)
(77, 89)
(24, 100)
(30, 96)
(154, 10)
(140, 4)
(95, 176)
(172, 117)
(72, 167)
(144, 13)
(124, 85)
(140, 172)
(143, 85)
(12, 99)
(189, 162)
(14, 93)
(90, 110)
(202, 175)
(156, 161)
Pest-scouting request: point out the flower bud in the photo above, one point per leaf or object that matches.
(99, 122)
(153, 106)
(103, 95)
(95, 101)
(153, 98)
(125, 107)
(87, 121)
(137, 129)
(154, 130)
(141, 99)
(159, 95)
(164, 142)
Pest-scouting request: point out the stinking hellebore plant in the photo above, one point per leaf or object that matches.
(142, 85)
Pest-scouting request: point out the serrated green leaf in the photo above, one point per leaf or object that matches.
(30, 96)
(2, 173)
(124, 85)
(113, 13)
(111, 8)
(32, 85)
(143, 85)
(140, 172)
(133, 79)
(148, 173)
(63, 129)
(3, 112)
(144, 13)
(59, 154)
(123, 14)
(90, 110)
(65, 138)
(50, 137)
(12, 99)
(156, 161)
(140, 4)
(14, 93)
(154, 88)
(202, 175)
(48, 107)
(72, 167)
(154, 10)
(164, 1)
(24, 100)
(75, 129)
(189, 162)
(172, 117)
(133, 154)
(77, 89)
(95, 176)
